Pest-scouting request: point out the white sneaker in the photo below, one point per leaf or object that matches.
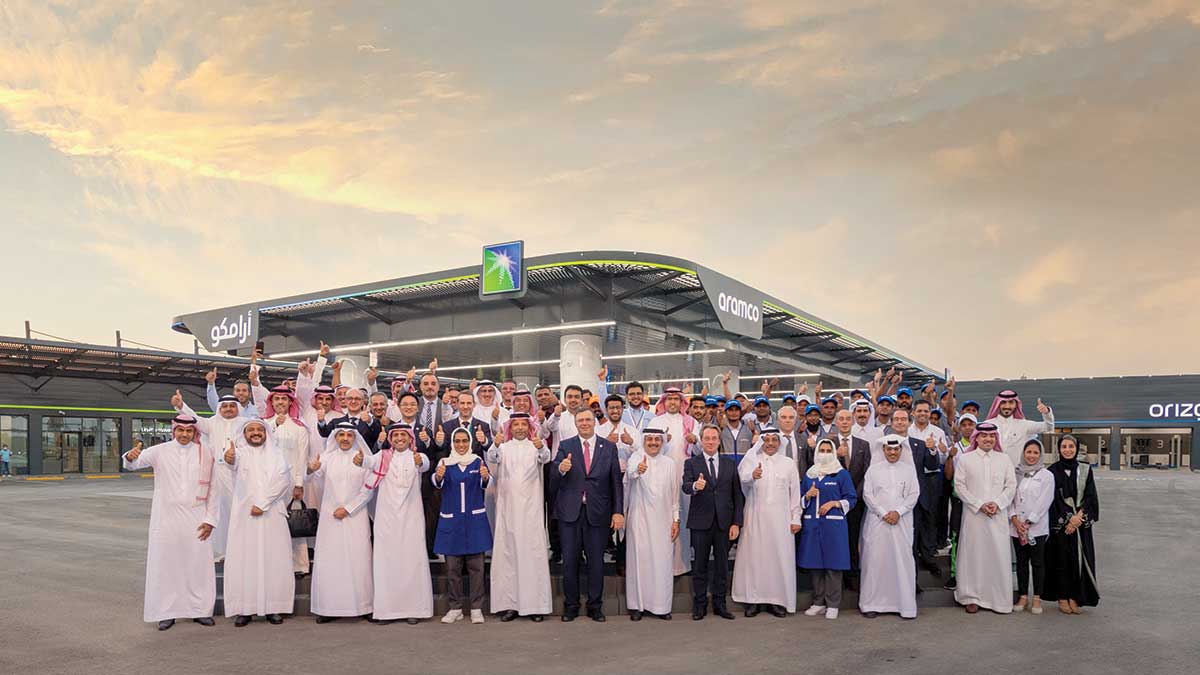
(452, 616)
(831, 613)
(814, 610)
(476, 615)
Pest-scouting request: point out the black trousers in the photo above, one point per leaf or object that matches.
(854, 529)
(1032, 555)
(581, 537)
(715, 542)
(431, 500)
(942, 520)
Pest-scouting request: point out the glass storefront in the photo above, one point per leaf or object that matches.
(80, 444)
(151, 431)
(14, 433)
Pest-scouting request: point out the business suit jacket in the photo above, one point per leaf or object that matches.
(927, 472)
(605, 493)
(860, 458)
(368, 430)
(478, 448)
(801, 453)
(720, 501)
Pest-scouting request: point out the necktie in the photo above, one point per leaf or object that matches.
(712, 469)
(587, 457)
(787, 446)
(427, 417)
(849, 447)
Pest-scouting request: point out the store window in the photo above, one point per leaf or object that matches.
(81, 444)
(14, 433)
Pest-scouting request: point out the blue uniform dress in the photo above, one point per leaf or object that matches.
(463, 526)
(824, 540)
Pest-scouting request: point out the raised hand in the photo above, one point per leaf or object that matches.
(337, 366)
(612, 436)
(253, 375)
(559, 409)
(211, 376)
(412, 372)
(446, 397)
(758, 472)
(812, 441)
(480, 437)
(135, 452)
(626, 438)
(314, 465)
(726, 375)
(424, 435)
(433, 365)
(177, 400)
(418, 459)
(537, 443)
(700, 484)
(842, 450)
(372, 374)
(324, 349)
(1042, 407)
(603, 374)
(641, 468)
(564, 466)
(440, 436)
(441, 470)
(483, 471)
(364, 416)
(813, 492)
(230, 454)
(358, 458)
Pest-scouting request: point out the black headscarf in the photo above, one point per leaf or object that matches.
(1064, 469)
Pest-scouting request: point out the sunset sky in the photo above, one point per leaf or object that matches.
(1001, 188)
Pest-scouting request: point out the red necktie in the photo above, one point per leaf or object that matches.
(587, 458)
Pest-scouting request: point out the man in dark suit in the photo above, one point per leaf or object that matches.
(356, 412)
(792, 442)
(927, 464)
(714, 520)
(589, 504)
(854, 453)
(481, 432)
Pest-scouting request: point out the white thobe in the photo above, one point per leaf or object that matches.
(1014, 433)
(889, 576)
(562, 426)
(984, 569)
(258, 564)
(651, 507)
(676, 447)
(341, 582)
(305, 387)
(181, 582)
(403, 588)
(215, 434)
(293, 441)
(520, 559)
(765, 569)
(624, 450)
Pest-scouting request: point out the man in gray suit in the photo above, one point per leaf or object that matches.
(791, 441)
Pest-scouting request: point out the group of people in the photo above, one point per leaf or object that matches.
(858, 491)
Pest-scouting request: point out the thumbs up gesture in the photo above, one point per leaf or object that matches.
(698, 486)
(758, 471)
(813, 492)
(812, 441)
(626, 438)
(314, 465)
(842, 450)
(479, 435)
(1042, 407)
(424, 435)
(440, 438)
(612, 436)
(230, 455)
(358, 458)
(135, 452)
(931, 444)
(643, 466)
(496, 413)
(441, 470)
(211, 376)
(177, 400)
(418, 458)
(565, 466)
(537, 443)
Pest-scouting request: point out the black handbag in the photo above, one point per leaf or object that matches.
(302, 522)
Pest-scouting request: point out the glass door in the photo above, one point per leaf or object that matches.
(70, 447)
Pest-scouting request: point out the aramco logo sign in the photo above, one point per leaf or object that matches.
(738, 307)
(503, 271)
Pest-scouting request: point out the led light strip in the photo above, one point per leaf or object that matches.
(767, 377)
(449, 338)
(649, 354)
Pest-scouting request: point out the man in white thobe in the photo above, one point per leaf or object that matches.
(1008, 414)
(764, 574)
(651, 526)
(681, 438)
(181, 582)
(292, 438)
(216, 432)
(259, 559)
(890, 491)
(403, 588)
(520, 556)
(986, 482)
(342, 584)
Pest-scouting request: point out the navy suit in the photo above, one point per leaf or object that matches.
(476, 447)
(924, 532)
(713, 510)
(368, 430)
(585, 525)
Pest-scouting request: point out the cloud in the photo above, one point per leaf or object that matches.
(1060, 267)
(372, 49)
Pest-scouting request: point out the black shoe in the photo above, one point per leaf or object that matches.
(777, 611)
(274, 619)
(596, 615)
(951, 584)
(635, 615)
(324, 619)
(205, 621)
(241, 621)
(555, 557)
(379, 622)
(508, 615)
(722, 612)
(665, 617)
(301, 575)
(752, 611)
(165, 624)
(536, 618)
(870, 615)
(412, 621)
(570, 614)
(698, 614)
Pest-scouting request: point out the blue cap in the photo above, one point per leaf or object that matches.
(904, 390)
(829, 399)
(789, 397)
(733, 404)
(762, 399)
(970, 402)
(720, 399)
(889, 399)
(710, 400)
(859, 392)
(944, 394)
(812, 408)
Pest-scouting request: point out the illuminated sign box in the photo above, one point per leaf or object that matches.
(503, 271)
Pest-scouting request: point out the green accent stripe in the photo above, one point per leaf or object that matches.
(116, 410)
(637, 263)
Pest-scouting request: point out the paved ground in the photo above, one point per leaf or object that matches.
(72, 557)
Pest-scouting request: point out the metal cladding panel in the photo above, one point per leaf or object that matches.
(1154, 399)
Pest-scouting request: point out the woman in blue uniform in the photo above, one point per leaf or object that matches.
(828, 495)
(463, 533)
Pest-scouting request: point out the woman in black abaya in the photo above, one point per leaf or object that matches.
(1070, 551)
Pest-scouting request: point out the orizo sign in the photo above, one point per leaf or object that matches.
(738, 306)
(220, 330)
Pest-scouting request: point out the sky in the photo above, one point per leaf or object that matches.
(1004, 189)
